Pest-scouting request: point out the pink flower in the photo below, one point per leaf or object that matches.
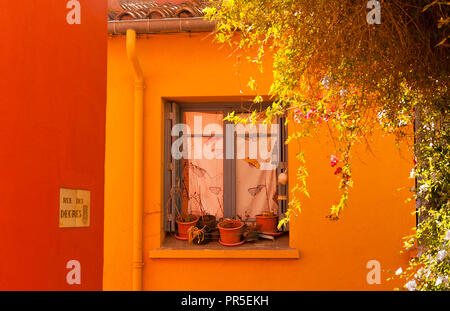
(334, 160)
(297, 115)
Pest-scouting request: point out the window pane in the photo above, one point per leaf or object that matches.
(203, 177)
(202, 122)
(256, 185)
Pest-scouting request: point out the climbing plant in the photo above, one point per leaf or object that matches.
(334, 66)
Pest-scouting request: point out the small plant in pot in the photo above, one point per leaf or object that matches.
(184, 220)
(230, 231)
(197, 235)
(206, 220)
(267, 220)
(202, 232)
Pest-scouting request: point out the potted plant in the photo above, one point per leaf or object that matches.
(206, 220)
(184, 220)
(230, 231)
(201, 233)
(267, 221)
(197, 235)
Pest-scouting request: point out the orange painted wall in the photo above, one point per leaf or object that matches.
(52, 133)
(333, 254)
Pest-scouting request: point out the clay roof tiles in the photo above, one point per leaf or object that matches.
(147, 9)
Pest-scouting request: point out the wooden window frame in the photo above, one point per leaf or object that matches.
(173, 114)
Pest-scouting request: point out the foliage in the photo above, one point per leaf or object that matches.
(331, 67)
(431, 268)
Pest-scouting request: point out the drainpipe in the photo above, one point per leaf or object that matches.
(138, 208)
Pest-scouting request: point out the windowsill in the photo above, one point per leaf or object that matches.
(173, 248)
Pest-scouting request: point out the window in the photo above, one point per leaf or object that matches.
(222, 169)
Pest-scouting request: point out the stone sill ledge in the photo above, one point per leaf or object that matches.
(164, 253)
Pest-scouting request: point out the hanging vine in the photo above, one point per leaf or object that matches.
(332, 67)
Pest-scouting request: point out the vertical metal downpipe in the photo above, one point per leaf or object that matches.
(138, 178)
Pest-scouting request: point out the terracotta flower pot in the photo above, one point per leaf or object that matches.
(207, 220)
(230, 231)
(184, 226)
(267, 223)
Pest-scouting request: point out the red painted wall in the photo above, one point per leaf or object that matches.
(52, 134)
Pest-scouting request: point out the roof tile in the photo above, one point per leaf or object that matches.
(147, 9)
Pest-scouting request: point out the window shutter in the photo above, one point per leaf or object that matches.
(283, 190)
(171, 167)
